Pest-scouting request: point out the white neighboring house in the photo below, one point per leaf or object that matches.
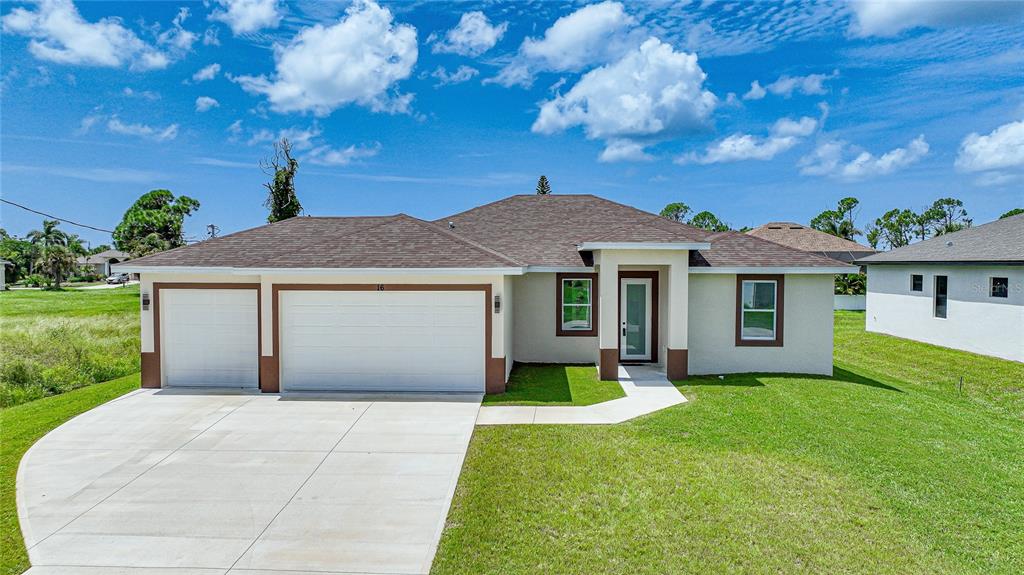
(963, 290)
(100, 263)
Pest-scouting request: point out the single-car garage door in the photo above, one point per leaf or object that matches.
(382, 340)
(209, 337)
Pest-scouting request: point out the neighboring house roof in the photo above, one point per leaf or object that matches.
(104, 257)
(804, 238)
(398, 241)
(1001, 241)
(514, 232)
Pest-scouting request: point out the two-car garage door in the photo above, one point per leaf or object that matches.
(382, 340)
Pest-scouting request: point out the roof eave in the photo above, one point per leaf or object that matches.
(129, 268)
(594, 246)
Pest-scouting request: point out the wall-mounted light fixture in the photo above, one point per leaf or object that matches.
(145, 301)
(497, 304)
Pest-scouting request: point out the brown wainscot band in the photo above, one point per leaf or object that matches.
(609, 365)
(676, 364)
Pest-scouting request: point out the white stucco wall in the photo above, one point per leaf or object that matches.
(807, 329)
(533, 317)
(974, 321)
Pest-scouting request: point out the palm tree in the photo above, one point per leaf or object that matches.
(58, 261)
(49, 235)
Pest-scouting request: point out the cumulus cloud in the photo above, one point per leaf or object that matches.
(460, 75)
(999, 149)
(786, 86)
(206, 73)
(205, 103)
(594, 34)
(473, 36)
(246, 16)
(830, 159)
(784, 134)
(177, 37)
(624, 151)
(328, 156)
(116, 126)
(59, 34)
(358, 60)
(877, 18)
(652, 93)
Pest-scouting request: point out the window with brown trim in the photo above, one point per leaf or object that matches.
(576, 304)
(759, 309)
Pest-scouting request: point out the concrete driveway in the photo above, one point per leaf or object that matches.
(172, 482)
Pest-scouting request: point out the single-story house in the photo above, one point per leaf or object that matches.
(99, 263)
(397, 303)
(808, 239)
(963, 290)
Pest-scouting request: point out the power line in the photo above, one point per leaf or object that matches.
(51, 216)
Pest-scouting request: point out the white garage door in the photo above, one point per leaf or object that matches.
(382, 340)
(208, 337)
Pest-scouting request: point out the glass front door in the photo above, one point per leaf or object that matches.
(635, 317)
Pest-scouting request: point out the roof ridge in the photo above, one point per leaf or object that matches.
(792, 249)
(650, 216)
(447, 232)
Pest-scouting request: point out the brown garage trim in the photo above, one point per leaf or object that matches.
(494, 368)
(780, 297)
(653, 276)
(594, 305)
(151, 360)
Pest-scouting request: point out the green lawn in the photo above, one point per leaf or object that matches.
(55, 341)
(20, 427)
(883, 468)
(553, 384)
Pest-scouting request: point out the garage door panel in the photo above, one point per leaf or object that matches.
(209, 337)
(382, 340)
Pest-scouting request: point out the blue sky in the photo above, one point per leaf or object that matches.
(430, 108)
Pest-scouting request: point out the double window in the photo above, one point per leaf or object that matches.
(576, 304)
(759, 310)
(999, 287)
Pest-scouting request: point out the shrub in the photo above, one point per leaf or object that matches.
(35, 280)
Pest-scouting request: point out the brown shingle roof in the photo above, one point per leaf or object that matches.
(359, 242)
(804, 238)
(735, 249)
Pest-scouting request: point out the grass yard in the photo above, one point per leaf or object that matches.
(55, 341)
(20, 427)
(883, 468)
(552, 384)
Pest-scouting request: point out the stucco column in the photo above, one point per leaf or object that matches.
(608, 318)
(270, 370)
(676, 359)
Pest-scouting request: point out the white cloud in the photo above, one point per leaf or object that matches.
(877, 18)
(116, 126)
(784, 134)
(1000, 149)
(358, 60)
(207, 73)
(461, 74)
(177, 37)
(594, 34)
(146, 94)
(85, 126)
(246, 16)
(652, 93)
(205, 103)
(473, 36)
(327, 156)
(59, 34)
(829, 159)
(211, 37)
(786, 86)
(235, 131)
(624, 151)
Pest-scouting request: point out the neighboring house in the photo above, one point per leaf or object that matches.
(100, 263)
(3, 273)
(963, 290)
(807, 239)
(402, 304)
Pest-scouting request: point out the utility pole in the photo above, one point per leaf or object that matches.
(211, 231)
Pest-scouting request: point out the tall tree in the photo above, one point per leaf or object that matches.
(154, 223)
(896, 227)
(58, 261)
(1013, 212)
(543, 187)
(708, 221)
(949, 216)
(873, 234)
(281, 199)
(676, 211)
(50, 235)
(840, 221)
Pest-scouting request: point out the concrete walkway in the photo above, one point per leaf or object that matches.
(171, 482)
(647, 390)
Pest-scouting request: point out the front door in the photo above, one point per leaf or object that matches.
(635, 317)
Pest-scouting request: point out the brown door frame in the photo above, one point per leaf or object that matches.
(494, 368)
(653, 275)
(153, 361)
